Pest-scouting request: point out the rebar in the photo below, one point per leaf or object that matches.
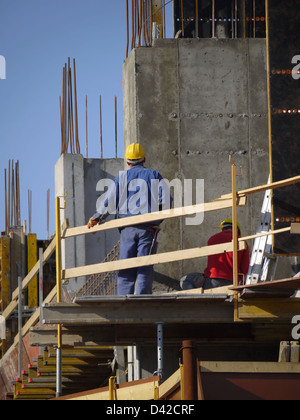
(101, 136)
(12, 196)
(68, 111)
(143, 14)
(231, 19)
(104, 284)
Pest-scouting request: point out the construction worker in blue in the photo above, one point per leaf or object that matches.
(136, 191)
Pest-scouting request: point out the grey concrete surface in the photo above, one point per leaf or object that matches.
(192, 103)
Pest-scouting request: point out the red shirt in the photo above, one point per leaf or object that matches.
(221, 266)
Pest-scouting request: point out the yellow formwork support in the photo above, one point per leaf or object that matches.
(4, 271)
(157, 15)
(32, 260)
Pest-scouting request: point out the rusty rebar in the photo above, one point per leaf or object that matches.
(127, 28)
(190, 370)
(101, 139)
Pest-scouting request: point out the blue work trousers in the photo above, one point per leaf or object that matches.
(136, 242)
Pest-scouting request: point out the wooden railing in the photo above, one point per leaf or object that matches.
(224, 202)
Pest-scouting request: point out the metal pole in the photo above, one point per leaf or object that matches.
(269, 106)
(48, 213)
(20, 322)
(130, 372)
(58, 373)
(59, 299)
(86, 128)
(111, 386)
(197, 19)
(116, 127)
(182, 18)
(137, 362)
(213, 18)
(190, 370)
(101, 137)
(160, 350)
(236, 18)
(235, 239)
(41, 285)
(41, 290)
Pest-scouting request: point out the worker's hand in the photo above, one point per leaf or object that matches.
(92, 223)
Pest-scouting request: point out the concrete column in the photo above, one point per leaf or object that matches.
(78, 178)
(191, 103)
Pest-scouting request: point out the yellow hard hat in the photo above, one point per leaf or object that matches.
(227, 223)
(135, 151)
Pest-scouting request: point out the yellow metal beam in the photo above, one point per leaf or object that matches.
(157, 15)
(5, 271)
(32, 260)
(269, 309)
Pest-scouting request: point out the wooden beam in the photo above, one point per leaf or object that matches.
(249, 367)
(266, 187)
(142, 389)
(259, 235)
(295, 228)
(142, 310)
(154, 217)
(169, 385)
(290, 284)
(166, 257)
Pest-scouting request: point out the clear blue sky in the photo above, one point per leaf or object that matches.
(36, 39)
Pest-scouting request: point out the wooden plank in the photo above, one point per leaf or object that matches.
(169, 385)
(31, 261)
(295, 228)
(290, 284)
(154, 217)
(142, 389)
(260, 235)
(162, 258)
(217, 290)
(249, 367)
(266, 187)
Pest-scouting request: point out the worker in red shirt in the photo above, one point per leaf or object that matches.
(219, 271)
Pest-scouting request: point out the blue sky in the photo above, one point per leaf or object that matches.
(36, 39)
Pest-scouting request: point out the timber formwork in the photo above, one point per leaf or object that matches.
(83, 368)
(240, 354)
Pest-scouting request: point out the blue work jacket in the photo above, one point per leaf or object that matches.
(133, 192)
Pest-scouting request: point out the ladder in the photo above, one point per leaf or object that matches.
(263, 263)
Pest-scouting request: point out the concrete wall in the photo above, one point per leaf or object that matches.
(78, 177)
(100, 244)
(192, 103)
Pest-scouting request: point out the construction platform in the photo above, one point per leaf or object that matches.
(236, 353)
